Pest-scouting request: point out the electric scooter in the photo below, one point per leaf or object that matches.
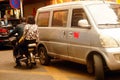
(28, 58)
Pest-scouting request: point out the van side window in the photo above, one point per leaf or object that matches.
(60, 18)
(43, 19)
(77, 14)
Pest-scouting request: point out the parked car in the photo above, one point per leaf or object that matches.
(5, 30)
(86, 32)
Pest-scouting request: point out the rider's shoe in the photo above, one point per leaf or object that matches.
(17, 66)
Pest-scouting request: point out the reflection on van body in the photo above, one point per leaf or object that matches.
(86, 32)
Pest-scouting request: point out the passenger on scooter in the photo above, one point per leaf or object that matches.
(30, 31)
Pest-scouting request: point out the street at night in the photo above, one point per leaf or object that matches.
(57, 70)
(60, 39)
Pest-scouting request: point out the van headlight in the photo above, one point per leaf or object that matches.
(107, 41)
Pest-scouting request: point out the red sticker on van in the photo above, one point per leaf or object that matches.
(76, 35)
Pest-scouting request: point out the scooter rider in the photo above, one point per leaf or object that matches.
(19, 30)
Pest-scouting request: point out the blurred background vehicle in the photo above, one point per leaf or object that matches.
(5, 30)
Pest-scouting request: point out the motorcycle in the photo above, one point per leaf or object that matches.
(30, 57)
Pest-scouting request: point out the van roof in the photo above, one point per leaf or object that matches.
(72, 3)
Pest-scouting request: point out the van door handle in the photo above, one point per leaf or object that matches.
(64, 33)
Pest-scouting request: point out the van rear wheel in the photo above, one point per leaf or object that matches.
(43, 57)
(98, 66)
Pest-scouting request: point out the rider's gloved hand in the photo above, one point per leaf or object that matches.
(12, 38)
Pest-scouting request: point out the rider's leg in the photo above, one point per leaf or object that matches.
(17, 55)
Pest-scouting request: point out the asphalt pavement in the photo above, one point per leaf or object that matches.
(57, 70)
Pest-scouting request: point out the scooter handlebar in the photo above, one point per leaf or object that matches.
(3, 37)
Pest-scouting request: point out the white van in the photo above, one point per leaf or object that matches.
(86, 32)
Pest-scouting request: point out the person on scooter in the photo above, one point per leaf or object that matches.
(30, 31)
(19, 30)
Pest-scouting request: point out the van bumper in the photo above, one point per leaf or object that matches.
(112, 58)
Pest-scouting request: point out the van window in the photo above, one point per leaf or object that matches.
(60, 18)
(77, 14)
(43, 19)
(105, 15)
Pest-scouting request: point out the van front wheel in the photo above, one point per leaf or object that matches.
(43, 57)
(98, 66)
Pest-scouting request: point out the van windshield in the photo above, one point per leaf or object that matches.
(105, 15)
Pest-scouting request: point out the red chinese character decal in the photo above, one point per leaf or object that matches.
(76, 35)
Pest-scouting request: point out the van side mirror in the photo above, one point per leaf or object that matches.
(83, 23)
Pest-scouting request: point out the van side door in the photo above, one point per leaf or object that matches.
(78, 37)
(57, 38)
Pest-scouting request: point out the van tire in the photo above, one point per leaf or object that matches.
(43, 57)
(98, 66)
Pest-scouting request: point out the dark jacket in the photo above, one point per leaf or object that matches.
(19, 30)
